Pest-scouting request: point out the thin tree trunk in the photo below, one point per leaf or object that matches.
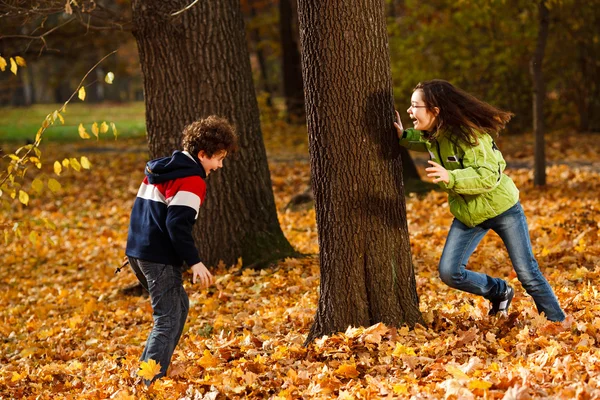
(366, 269)
(293, 86)
(195, 64)
(262, 61)
(539, 94)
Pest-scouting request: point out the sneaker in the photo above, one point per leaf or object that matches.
(500, 304)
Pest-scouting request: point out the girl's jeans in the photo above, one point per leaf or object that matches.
(512, 228)
(170, 305)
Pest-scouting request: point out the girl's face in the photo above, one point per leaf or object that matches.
(423, 119)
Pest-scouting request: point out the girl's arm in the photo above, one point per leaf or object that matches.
(409, 138)
(481, 172)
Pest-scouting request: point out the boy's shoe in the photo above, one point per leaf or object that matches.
(502, 302)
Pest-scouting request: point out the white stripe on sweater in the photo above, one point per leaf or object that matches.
(183, 198)
(151, 192)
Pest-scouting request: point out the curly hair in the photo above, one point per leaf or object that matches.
(211, 135)
(460, 112)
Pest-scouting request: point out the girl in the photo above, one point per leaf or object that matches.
(456, 128)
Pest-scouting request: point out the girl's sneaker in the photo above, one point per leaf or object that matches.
(500, 304)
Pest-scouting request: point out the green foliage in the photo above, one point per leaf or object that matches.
(486, 47)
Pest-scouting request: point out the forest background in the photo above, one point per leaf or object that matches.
(69, 330)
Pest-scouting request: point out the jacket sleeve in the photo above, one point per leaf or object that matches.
(411, 139)
(481, 172)
(182, 211)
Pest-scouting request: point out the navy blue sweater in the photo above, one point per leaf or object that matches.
(165, 210)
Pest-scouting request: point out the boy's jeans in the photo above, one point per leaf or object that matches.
(512, 228)
(170, 305)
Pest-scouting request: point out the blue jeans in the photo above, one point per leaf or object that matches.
(512, 228)
(170, 305)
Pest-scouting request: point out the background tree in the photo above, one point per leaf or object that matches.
(195, 63)
(366, 269)
(539, 94)
(293, 86)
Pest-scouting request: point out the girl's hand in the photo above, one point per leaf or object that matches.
(439, 173)
(201, 274)
(398, 125)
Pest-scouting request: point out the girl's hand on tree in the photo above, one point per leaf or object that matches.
(439, 173)
(201, 274)
(398, 125)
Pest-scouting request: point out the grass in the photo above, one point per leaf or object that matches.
(19, 124)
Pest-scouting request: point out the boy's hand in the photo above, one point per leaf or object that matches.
(398, 125)
(200, 272)
(438, 172)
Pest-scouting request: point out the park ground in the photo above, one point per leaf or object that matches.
(68, 331)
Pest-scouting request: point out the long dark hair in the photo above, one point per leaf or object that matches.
(460, 113)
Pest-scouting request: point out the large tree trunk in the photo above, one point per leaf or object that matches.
(539, 93)
(366, 269)
(293, 87)
(196, 64)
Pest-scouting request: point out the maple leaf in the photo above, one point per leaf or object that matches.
(148, 370)
(207, 360)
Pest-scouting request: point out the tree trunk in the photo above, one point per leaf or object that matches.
(539, 94)
(262, 60)
(195, 64)
(293, 86)
(366, 269)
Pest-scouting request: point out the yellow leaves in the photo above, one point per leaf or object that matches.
(57, 168)
(109, 78)
(54, 185)
(347, 371)
(23, 197)
(400, 350)
(20, 61)
(16, 377)
(2, 64)
(82, 132)
(207, 360)
(479, 384)
(456, 372)
(13, 66)
(85, 163)
(81, 93)
(95, 129)
(103, 127)
(148, 370)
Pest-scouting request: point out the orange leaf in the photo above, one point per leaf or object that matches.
(207, 360)
(148, 370)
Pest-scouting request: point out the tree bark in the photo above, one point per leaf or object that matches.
(539, 94)
(366, 269)
(195, 64)
(293, 86)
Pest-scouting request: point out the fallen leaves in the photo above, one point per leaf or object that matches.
(68, 331)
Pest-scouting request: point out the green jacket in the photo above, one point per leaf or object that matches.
(477, 189)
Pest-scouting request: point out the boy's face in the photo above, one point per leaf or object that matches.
(423, 119)
(212, 163)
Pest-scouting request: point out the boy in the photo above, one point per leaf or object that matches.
(160, 230)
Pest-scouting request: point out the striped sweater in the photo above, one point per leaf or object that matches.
(165, 210)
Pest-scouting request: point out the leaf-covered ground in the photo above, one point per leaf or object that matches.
(68, 331)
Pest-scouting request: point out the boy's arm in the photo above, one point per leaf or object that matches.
(411, 139)
(481, 172)
(182, 210)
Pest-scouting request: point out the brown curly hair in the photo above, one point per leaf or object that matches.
(212, 135)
